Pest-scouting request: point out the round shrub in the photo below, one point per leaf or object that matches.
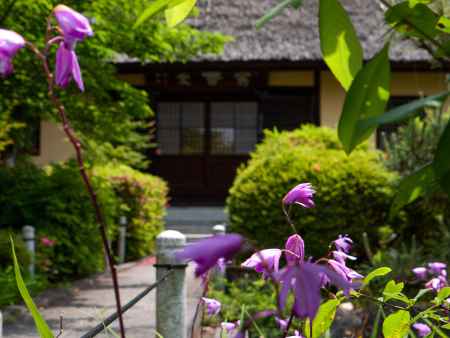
(143, 199)
(353, 192)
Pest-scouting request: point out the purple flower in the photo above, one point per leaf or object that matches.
(305, 280)
(295, 249)
(420, 272)
(265, 261)
(302, 194)
(282, 323)
(422, 329)
(436, 267)
(437, 283)
(343, 243)
(229, 327)
(341, 256)
(212, 306)
(344, 270)
(10, 43)
(75, 27)
(207, 252)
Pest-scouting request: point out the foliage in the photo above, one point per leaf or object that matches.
(142, 199)
(353, 192)
(114, 121)
(5, 251)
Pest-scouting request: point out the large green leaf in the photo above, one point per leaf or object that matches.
(41, 325)
(376, 273)
(323, 320)
(396, 325)
(400, 113)
(153, 9)
(367, 97)
(443, 24)
(178, 10)
(418, 20)
(441, 163)
(421, 183)
(339, 43)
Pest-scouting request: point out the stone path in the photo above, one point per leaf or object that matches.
(91, 300)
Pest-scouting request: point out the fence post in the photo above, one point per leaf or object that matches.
(28, 236)
(171, 295)
(219, 229)
(1, 325)
(122, 238)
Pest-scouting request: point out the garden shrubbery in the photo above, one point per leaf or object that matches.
(55, 201)
(353, 192)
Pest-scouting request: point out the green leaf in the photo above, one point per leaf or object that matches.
(421, 293)
(400, 113)
(41, 325)
(421, 183)
(441, 163)
(443, 294)
(277, 10)
(443, 24)
(376, 273)
(396, 325)
(412, 3)
(418, 20)
(446, 326)
(324, 318)
(339, 43)
(178, 10)
(393, 290)
(154, 8)
(367, 97)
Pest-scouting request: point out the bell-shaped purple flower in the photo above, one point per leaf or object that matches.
(420, 272)
(341, 256)
(294, 249)
(10, 43)
(75, 27)
(343, 243)
(212, 306)
(421, 329)
(207, 252)
(302, 194)
(264, 261)
(437, 283)
(436, 267)
(344, 270)
(229, 327)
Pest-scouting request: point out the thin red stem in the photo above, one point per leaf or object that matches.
(84, 175)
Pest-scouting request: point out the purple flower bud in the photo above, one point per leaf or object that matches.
(302, 194)
(344, 271)
(282, 323)
(421, 329)
(436, 283)
(420, 272)
(343, 243)
(265, 261)
(229, 327)
(295, 249)
(207, 252)
(74, 26)
(10, 43)
(212, 306)
(436, 267)
(67, 67)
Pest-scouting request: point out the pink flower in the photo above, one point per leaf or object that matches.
(10, 43)
(422, 329)
(45, 241)
(229, 327)
(265, 261)
(302, 195)
(295, 249)
(420, 272)
(436, 267)
(437, 283)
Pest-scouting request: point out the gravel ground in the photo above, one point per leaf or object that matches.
(88, 301)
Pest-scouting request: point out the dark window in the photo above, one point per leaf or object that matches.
(388, 129)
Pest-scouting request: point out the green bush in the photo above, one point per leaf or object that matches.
(353, 192)
(142, 199)
(5, 249)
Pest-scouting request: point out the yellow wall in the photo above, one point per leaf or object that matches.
(403, 84)
(54, 145)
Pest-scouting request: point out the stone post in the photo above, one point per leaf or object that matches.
(219, 272)
(171, 294)
(28, 236)
(122, 238)
(1, 325)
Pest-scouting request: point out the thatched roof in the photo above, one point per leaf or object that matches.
(294, 35)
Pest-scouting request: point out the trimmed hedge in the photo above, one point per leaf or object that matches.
(142, 199)
(55, 201)
(353, 192)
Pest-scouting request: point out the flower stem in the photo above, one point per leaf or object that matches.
(76, 143)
